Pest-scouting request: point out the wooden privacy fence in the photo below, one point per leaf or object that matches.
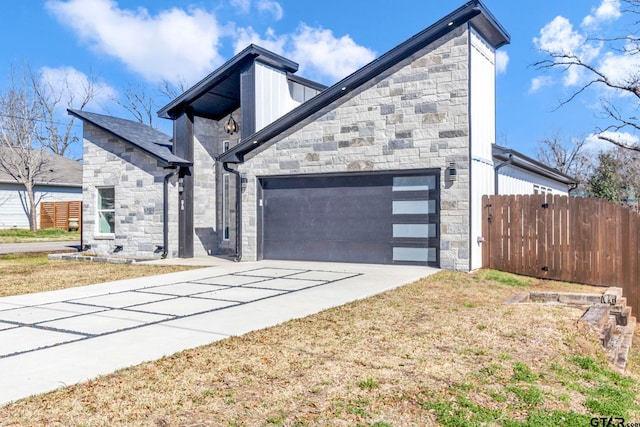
(57, 214)
(572, 239)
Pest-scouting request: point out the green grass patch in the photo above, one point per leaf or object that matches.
(521, 372)
(506, 278)
(531, 396)
(20, 235)
(368, 384)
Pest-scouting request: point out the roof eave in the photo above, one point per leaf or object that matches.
(251, 52)
(527, 163)
(45, 183)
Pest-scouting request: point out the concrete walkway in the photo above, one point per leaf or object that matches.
(48, 247)
(52, 339)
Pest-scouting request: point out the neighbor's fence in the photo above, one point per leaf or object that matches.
(573, 239)
(57, 214)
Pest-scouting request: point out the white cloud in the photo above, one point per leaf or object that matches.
(321, 54)
(595, 145)
(318, 50)
(620, 69)
(502, 60)
(271, 6)
(73, 86)
(559, 37)
(243, 5)
(171, 45)
(246, 36)
(539, 82)
(178, 45)
(609, 10)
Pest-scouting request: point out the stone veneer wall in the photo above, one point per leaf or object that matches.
(412, 116)
(207, 211)
(138, 182)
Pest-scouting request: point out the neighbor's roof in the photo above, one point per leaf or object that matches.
(59, 171)
(473, 12)
(527, 163)
(143, 137)
(219, 93)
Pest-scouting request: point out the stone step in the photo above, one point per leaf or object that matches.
(595, 318)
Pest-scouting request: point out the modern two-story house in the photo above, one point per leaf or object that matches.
(388, 165)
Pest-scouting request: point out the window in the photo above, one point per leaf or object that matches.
(226, 209)
(106, 210)
(538, 189)
(225, 146)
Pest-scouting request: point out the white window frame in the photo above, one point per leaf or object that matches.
(99, 210)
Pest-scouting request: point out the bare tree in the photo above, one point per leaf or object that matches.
(621, 113)
(21, 159)
(568, 157)
(53, 97)
(172, 91)
(137, 102)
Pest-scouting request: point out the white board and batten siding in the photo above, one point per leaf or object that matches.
(12, 212)
(276, 95)
(515, 180)
(482, 136)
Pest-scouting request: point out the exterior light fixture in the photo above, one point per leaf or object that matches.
(453, 172)
(450, 23)
(231, 127)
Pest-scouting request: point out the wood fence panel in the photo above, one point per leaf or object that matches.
(57, 214)
(579, 240)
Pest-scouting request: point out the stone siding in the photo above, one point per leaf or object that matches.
(138, 183)
(413, 116)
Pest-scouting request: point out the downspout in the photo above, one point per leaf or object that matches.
(165, 213)
(238, 255)
(497, 168)
(572, 187)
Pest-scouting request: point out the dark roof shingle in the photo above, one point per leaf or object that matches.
(56, 169)
(153, 142)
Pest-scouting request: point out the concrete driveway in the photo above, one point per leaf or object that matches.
(52, 339)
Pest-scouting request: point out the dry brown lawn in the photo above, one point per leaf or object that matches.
(24, 274)
(444, 350)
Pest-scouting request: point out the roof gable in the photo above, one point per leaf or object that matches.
(143, 137)
(472, 13)
(220, 90)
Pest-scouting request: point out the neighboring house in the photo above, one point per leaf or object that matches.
(519, 174)
(386, 166)
(60, 181)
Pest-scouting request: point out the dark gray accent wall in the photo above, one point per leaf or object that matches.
(248, 100)
(183, 143)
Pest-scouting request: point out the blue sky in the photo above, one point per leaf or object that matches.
(141, 42)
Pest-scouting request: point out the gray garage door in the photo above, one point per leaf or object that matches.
(376, 218)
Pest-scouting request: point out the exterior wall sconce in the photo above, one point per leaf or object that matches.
(452, 172)
(231, 127)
